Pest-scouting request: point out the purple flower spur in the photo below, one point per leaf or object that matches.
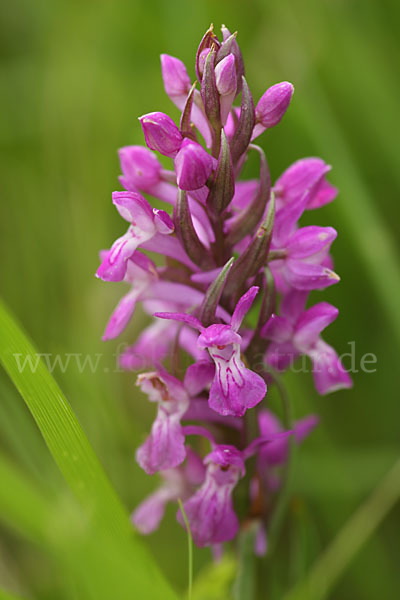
(226, 298)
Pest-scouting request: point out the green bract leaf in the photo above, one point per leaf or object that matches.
(213, 295)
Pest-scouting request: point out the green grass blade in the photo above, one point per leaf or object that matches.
(82, 470)
(374, 242)
(214, 581)
(245, 583)
(59, 426)
(333, 562)
(22, 506)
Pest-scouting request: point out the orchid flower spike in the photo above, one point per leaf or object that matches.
(216, 242)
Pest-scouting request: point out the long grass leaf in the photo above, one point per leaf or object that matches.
(330, 566)
(22, 506)
(79, 465)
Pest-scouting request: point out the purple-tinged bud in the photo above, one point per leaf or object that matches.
(226, 80)
(209, 93)
(225, 75)
(273, 104)
(161, 133)
(175, 77)
(209, 39)
(202, 60)
(230, 46)
(193, 166)
(140, 168)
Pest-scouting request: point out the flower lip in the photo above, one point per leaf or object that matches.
(134, 208)
(152, 384)
(218, 335)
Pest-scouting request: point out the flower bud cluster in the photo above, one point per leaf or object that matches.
(227, 246)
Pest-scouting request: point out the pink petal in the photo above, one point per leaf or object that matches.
(310, 240)
(311, 323)
(121, 316)
(243, 306)
(328, 372)
(307, 276)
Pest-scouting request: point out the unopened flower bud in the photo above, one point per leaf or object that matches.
(175, 77)
(202, 60)
(225, 75)
(140, 168)
(273, 104)
(161, 133)
(226, 81)
(193, 166)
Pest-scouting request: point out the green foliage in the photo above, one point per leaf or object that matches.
(215, 582)
(111, 559)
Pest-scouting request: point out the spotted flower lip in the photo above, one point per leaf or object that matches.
(210, 510)
(235, 388)
(165, 446)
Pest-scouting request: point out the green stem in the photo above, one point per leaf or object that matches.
(218, 246)
(190, 549)
(276, 520)
(245, 583)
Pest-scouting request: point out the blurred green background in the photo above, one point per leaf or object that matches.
(75, 75)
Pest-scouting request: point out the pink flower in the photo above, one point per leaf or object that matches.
(297, 331)
(165, 446)
(144, 221)
(235, 388)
